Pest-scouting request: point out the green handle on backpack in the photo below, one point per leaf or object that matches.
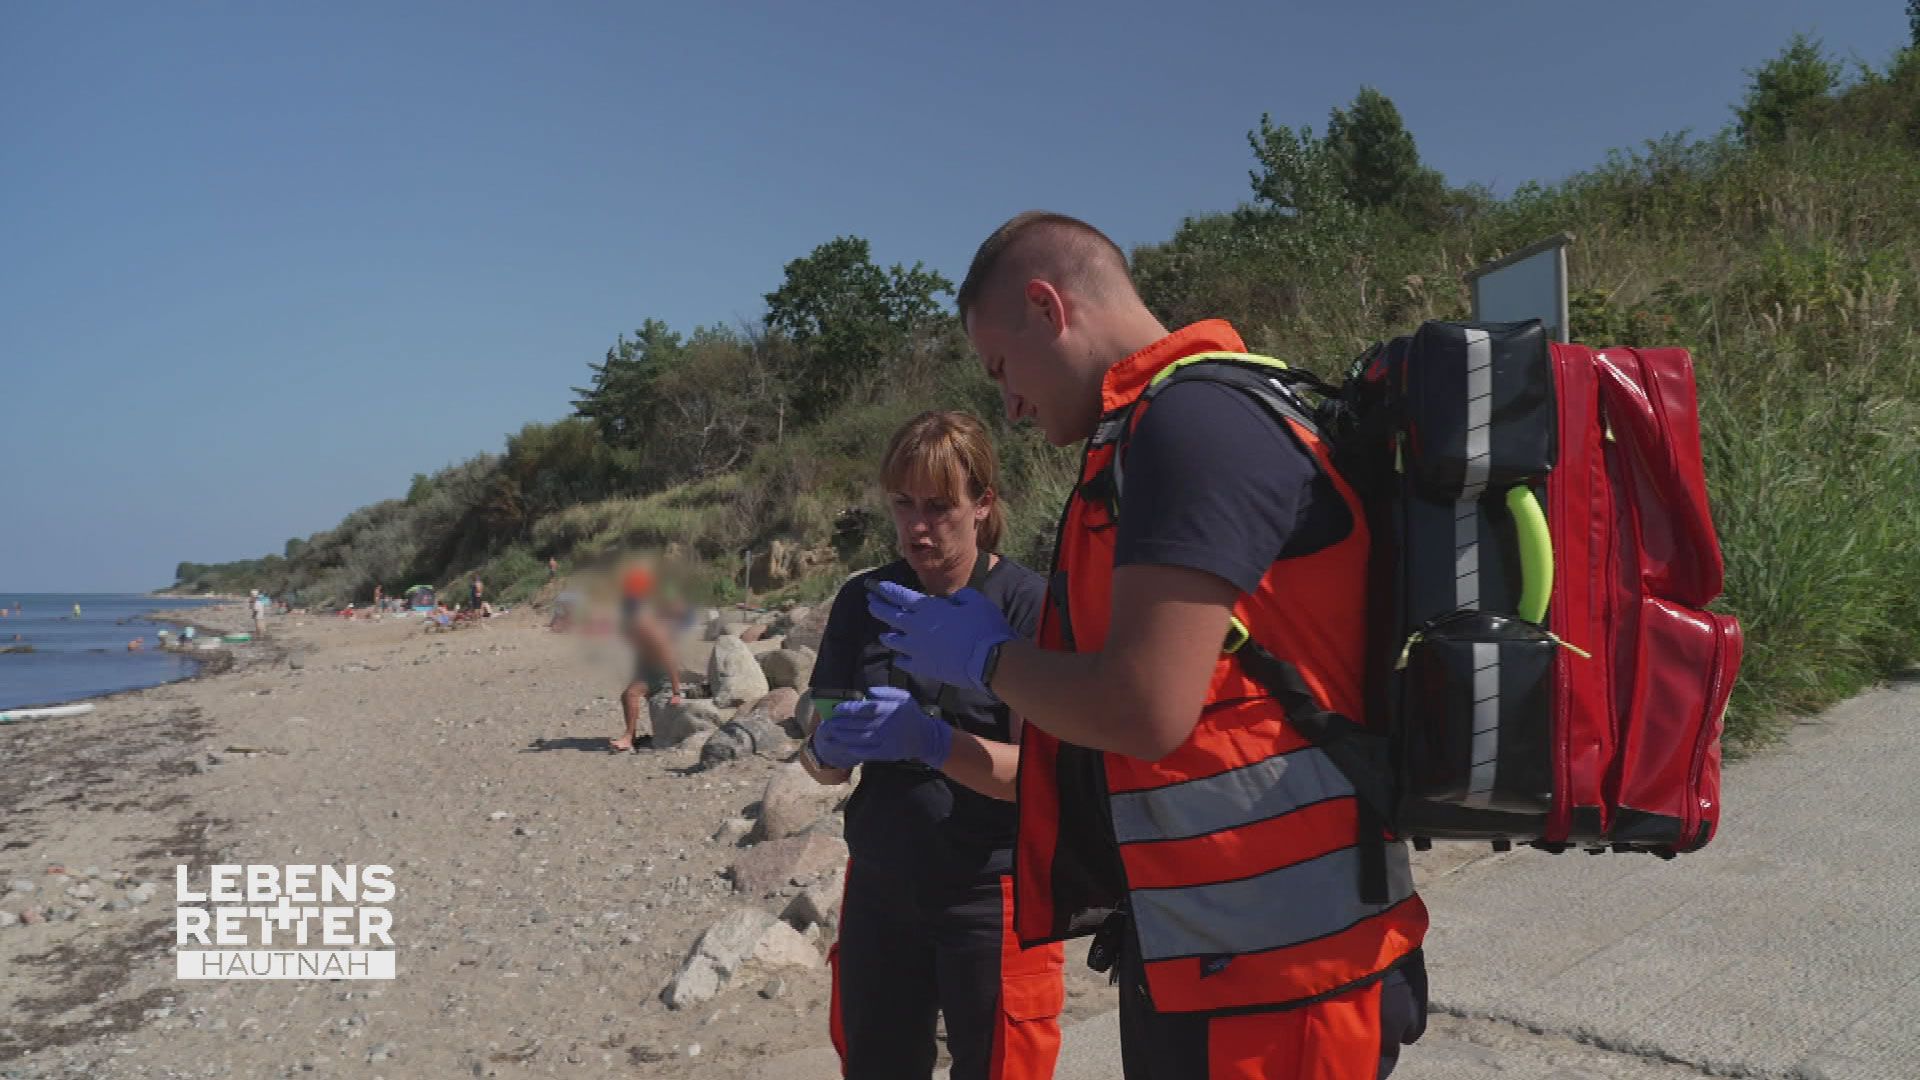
(1536, 553)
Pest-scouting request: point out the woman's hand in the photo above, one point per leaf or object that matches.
(887, 726)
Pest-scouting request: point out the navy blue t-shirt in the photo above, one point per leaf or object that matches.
(935, 838)
(1214, 483)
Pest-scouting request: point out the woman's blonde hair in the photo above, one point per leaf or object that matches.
(948, 451)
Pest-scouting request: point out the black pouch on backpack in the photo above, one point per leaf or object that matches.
(1477, 715)
(1478, 406)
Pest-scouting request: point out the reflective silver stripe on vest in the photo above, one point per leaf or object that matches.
(1283, 907)
(1466, 570)
(1256, 792)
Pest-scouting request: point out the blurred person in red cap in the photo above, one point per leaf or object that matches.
(654, 659)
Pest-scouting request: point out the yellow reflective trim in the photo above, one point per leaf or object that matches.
(1247, 358)
(1237, 635)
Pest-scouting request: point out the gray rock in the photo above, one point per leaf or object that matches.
(767, 869)
(731, 743)
(819, 903)
(793, 801)
(775, 989)
(787, 667)
(675, 724)
(21, 886)
(808, 628)
(82, 891)
(734, 673)
(8, 918)
(732, 831)
(776, 711)
(716, 956)
(726, 626)
(783, 946)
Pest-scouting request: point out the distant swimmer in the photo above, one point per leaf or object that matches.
(76, 611)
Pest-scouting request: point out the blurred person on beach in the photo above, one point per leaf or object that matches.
(259, 606)
(654, 659)
(925, 925)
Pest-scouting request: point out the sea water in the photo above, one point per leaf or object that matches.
(88, 656)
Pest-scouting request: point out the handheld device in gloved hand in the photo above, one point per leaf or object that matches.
(887, 726)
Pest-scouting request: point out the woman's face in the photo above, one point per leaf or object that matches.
(935, 530)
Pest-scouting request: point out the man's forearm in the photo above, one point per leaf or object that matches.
(1073, 698)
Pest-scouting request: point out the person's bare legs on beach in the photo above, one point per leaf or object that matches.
(654, 656)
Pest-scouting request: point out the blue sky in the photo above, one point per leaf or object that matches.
(259, 267)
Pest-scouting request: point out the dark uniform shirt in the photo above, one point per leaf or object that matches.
(924, 831)
(1214, 483)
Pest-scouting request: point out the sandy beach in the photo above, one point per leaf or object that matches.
(547, 891)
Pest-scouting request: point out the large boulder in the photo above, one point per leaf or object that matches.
(782, 946)
(675, 724)
(776, 708)
(744, 737)
(717, 955)
(793, 801)
(788, 667)
(733, 674)
(774, 868)
(808, 628)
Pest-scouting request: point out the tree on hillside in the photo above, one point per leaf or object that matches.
(622, 389)
(1378, 164)
(1782, 89)
(1298, 173)
(1913, 22)
(846, 316)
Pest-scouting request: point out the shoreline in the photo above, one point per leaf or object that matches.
(205, 665)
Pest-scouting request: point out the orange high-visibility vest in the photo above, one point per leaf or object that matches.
(1238, 854)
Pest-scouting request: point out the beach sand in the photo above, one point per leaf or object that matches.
(547, 891)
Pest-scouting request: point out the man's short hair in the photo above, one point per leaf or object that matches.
(1066, 248)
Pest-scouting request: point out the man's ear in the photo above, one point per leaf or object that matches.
(1045, 302)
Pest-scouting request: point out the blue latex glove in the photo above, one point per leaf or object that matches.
(888, 726)
(945, 639)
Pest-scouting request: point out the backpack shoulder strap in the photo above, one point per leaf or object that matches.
(1267, 380)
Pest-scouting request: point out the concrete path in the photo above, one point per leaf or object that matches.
(1789, 948)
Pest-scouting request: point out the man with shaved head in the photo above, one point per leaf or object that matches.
(1200, 658)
